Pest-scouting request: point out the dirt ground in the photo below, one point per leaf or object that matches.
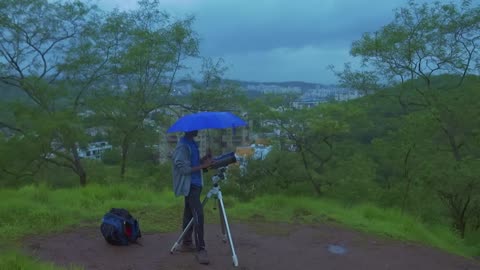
(258, 246)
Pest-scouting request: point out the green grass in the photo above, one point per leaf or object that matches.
(38, 210)
(17, 261)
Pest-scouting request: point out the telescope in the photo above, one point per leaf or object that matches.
(223, 160)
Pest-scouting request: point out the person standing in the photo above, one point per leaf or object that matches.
(188, 182)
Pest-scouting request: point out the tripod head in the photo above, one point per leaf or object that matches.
(219, 176)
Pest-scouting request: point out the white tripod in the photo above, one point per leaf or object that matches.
(217, 194)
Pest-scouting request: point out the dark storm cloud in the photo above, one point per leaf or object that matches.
(278, 40)
(232, 26)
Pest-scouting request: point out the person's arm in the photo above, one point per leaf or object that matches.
(205, 164)
(206, 161)
(207, 156)
(181, 159)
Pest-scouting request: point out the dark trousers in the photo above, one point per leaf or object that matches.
(193, 208)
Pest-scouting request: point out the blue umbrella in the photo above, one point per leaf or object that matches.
(206, 120)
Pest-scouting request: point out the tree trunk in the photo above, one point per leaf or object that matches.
(460, 226)
(83, 178)
(125, 147)
(460, 223)
(454, 146)
(407, 191)
(462, 220)
(476, 227)
(79, 167)
(317, 187)
(458, 208)
(406, 174)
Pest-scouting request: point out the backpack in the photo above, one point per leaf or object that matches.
(120, 228)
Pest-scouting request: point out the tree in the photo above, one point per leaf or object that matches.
(148, 49)
(310, 133)
(213, 93)
(35, 43)
(366, 81)
(415, 52)
(424, 40)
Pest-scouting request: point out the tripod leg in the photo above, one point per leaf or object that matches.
(190, 224)
(234, 255)
(222, 222)
(179, 240)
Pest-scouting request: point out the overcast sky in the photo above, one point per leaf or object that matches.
(278, 40)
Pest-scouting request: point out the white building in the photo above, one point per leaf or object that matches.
(94, 150)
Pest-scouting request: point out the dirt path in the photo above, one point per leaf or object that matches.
(261, 246)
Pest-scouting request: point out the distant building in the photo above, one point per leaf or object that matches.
(314, 97)
(94, 150)
(257, 151)
(305, 103)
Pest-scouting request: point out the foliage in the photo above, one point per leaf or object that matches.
(36, 39)
(413, 54)
(213, 93)
(424, 40)
(147, 49)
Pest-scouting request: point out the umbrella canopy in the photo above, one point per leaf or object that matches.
(206, 120)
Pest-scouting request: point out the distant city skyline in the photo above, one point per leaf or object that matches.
(278, 40)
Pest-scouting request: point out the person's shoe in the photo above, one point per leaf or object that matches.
(186, 247)
(202, 257)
